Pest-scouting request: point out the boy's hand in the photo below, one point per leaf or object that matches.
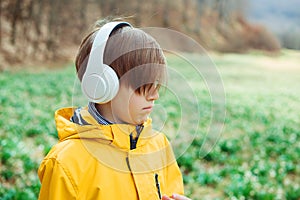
(175, 197)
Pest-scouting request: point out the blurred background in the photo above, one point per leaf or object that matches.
(253, 43)
(42, 30)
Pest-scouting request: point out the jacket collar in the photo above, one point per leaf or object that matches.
(114, 134)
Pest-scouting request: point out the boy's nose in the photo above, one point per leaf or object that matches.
(152, 95)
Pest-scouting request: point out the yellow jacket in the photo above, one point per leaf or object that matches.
(95, 162)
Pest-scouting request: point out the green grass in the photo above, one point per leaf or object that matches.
(255, 157)
(27, 103)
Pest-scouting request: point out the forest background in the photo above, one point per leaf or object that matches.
(34, 31)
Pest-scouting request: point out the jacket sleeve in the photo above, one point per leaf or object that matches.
(173, 178)
(56, 182)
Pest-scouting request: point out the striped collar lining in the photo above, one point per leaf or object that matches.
(94, 112)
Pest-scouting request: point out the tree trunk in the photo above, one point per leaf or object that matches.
(166, 22)
(53, 26)
(38, 17)
(138, 9)
(0, 24)
(184, 12)
(82, 14)
(15, 17)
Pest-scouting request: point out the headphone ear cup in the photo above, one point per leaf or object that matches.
(100, 83)
(101, 88)
(112, 83)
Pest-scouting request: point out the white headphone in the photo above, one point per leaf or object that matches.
(100, 82)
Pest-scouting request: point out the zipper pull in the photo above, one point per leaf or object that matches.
(157, 186)
(133, 142)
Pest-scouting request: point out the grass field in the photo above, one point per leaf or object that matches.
(255, 157)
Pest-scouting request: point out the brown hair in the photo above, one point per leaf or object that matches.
(127, 50)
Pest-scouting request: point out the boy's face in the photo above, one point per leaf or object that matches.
(132, 108)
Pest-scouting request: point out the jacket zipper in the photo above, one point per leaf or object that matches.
(157, 185)
(128, 165)
(133, 141)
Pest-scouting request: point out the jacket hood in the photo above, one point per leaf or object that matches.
(116, 134)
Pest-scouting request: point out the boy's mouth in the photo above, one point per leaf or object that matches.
(148, 108)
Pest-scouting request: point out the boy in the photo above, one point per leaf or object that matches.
(108, 149)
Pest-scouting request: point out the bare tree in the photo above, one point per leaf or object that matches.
(166, 22)
(52, 26)
(37, 19)
(107, 7)
(201, 6)
(186, 7)
(0, 24)
(16, 15)
(82, 13)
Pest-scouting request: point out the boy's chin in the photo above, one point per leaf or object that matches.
(140, 121)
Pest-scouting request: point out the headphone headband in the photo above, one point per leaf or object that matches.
(98, 47)
(100, 83)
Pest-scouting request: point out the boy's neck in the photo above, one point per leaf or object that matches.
(106, 111)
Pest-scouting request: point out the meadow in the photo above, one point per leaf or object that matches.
(256, 156)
